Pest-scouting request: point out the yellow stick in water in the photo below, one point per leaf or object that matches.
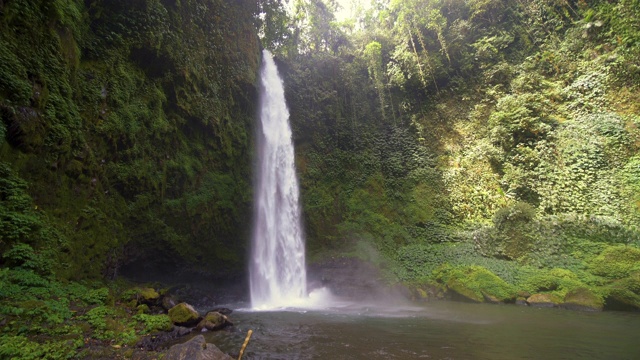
(246, 342)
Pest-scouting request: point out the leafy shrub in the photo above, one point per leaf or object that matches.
(96, 296)
(417, 262)
(20, 347)
(154, 323)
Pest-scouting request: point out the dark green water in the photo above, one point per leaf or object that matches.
(441, 330)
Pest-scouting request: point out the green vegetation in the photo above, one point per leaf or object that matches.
(489, 135)
(485, 148)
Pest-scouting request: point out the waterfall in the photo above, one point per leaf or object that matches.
(277, 268)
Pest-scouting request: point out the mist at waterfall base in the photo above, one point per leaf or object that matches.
(277, 268)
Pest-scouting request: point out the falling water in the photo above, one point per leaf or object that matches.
(277, 268)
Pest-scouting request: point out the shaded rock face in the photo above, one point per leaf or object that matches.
(196, 349)
(351, 278)
(622, 300)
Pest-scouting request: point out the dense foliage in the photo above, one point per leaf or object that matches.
(126, 132)
(447, 135)
(487, 148)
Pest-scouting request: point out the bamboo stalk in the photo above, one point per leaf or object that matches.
(246, 342)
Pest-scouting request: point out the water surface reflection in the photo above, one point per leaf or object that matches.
(439, 330)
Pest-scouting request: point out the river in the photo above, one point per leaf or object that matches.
(436, 330)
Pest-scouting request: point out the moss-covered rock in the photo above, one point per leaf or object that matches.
(475, 284)
(169, 301)
(560, 281)
(583, 299)
(621, 299)
(184, 314)
(617, 262)
(148, 295)
(544, 300)
(624, 294)
(214, 321)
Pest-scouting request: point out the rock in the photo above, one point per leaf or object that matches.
(491, 299)
(158, 340)
(214, 321)
(148, 295)
(521, 301)
(195, 349)
(622, 299)
(543, 300)
(222, 310)
(475, 284)
(184, 314)
(169, 301)
(583, 299)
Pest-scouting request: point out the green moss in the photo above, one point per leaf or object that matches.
(620, 298)
(583, 298)
(475, 283)
(142, 309)
(148, 294)
(616, 262)
(544, 300)
(183, 313)
(559, 281)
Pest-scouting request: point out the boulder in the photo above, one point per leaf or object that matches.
(622, 299)
(583, 299)
(169, 301)
(475, 284)
(222, 310)
(544, 300)
(195, 349)
(214, 321)
(521, 301)
(147, 295)
(184, 314)
(157, 341)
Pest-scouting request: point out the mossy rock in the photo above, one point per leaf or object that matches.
(214, 321)
(148, 295)
(169, 301)
(428, 292)
(622, 299)
(475, 284)
(617, 262)
(557, 280)
(624, 294)
(544, 300)
(184, 314)
(632, 283)
(583, 299)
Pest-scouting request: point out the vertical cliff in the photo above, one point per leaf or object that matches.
(127, 133)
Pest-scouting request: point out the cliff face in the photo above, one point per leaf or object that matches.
(127, 133)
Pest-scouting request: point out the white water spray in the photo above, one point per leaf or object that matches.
(277, 269)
